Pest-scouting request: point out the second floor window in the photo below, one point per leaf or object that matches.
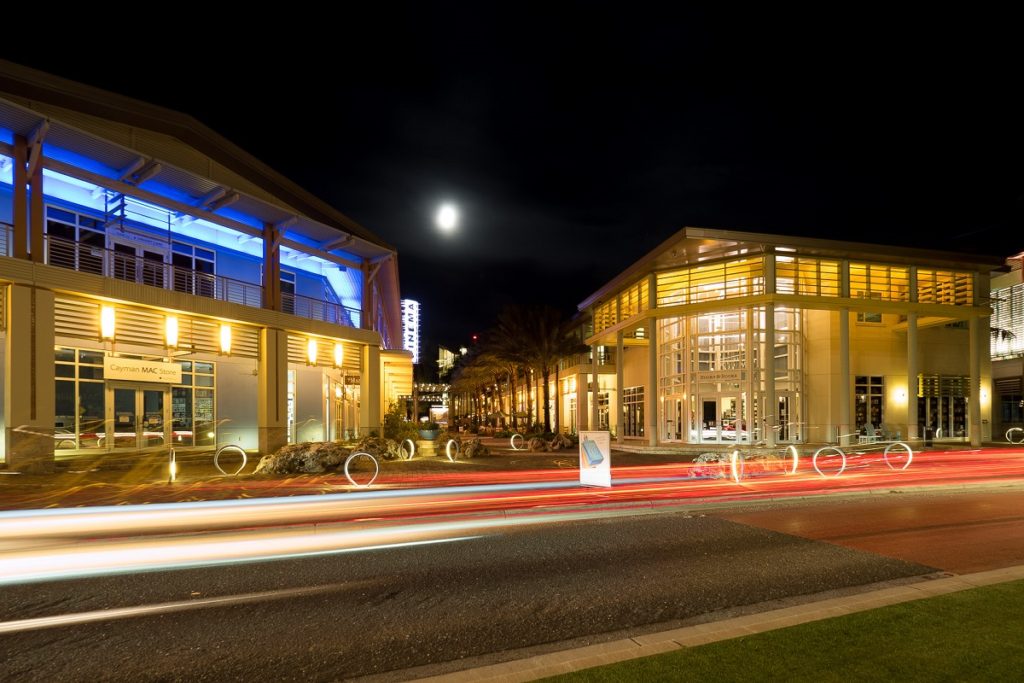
(193, 269)
(287, 292)
(74, 241)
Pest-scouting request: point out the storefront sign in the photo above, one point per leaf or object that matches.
(595, 459)
(350, 380)
(720, 376)
(132, 370)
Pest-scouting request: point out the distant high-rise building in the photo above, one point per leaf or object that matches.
(411, 328)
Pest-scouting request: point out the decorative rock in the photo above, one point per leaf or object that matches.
(536, 444)
(559, 442)
(380, 447)
(474, 448)
(311, 457)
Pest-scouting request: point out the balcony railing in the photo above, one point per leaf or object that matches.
(315, 309)
(156, 273)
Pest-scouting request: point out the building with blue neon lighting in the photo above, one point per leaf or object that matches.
(160, 286)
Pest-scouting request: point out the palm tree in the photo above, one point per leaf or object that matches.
(540, 337)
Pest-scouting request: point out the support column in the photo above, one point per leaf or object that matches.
(844, 377)
(19, 212)
(771, 407)
(36, 215)
(594, 419)
(651, 394)
(271, 267)
(29, 379)
(370, 393)
(366, 315)
(912, 370)
(581, 401)
(617, 407)
(272, 390)
(974, 400)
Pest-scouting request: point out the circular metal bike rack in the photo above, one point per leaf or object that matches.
(357, 454)
(824, 449)
(1015, 435)
(412, 449)
(791, 452)
(448, 449)
(736, 466)
(233, 449)
(522, 440)
(885, 455)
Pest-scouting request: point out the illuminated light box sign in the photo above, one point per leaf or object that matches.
(132, 370)
(595, 459)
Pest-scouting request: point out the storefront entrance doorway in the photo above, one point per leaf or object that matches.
(137, 418)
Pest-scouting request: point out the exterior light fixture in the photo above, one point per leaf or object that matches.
(225, 339)
(311, 352)
(339, 354)
(171, 331)
(337, 391)
(107, 323)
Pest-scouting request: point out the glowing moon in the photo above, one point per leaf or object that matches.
(447, 218)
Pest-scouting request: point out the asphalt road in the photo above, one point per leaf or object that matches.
(429, 606)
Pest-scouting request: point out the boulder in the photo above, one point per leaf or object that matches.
(536, 444)
(474, 448)
(560, 441)
(310, 457)
(379, 447)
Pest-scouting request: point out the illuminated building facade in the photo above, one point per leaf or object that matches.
(721, 336)
(411, 328)
(160, 286)
(1008, 348)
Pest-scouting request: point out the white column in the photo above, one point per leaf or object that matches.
(844, 377)
(272, 390)
(29, 379)
(594, 420)
(651, 416)
(912, 370)
(771, 407)
(370, 398)
(581, 401)
(617, 419)
(974, 400)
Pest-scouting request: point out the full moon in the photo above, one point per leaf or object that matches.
(447, 218)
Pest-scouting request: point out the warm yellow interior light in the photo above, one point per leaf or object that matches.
(225, 339)
(171, 331)
(339, 355)
(311, 351)
(107, 322)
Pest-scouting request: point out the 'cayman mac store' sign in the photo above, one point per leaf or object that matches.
(132, 370)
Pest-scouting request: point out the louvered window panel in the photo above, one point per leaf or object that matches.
(298, 345)
(79, 319)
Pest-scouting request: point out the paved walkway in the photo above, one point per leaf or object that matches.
(554, 663)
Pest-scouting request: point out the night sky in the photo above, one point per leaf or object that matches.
(576, 139)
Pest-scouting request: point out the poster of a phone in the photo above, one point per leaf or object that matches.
(595, 459)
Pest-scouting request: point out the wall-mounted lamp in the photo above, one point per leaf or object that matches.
(171, 331)
(339, 354)
(311, 352)
(107, 323)
(337, 391)
(225, 339)
(901, 394)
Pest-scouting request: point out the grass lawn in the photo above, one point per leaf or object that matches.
(974, 635)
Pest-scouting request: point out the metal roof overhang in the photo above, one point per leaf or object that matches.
(113, 157)
(693, 246)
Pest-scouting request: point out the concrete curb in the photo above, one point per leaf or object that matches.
(566, 661)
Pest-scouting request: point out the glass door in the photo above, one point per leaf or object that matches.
(137, 418)
(137, 263)
(710, 427)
